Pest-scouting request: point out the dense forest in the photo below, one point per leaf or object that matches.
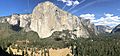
(100, 45)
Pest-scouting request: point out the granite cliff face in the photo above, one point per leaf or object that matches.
(103, 29)
(22, 20)
(48, 18)
(116, 29)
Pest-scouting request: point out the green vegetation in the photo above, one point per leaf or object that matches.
(101, 45)
(8, 36)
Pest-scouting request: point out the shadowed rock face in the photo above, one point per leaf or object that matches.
(103, 29)
(47, 18)
(116, 29)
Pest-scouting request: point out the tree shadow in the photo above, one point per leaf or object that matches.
(16, 27)
(3, 53)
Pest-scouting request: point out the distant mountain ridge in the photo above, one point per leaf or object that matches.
(103, 29)
(116, 29)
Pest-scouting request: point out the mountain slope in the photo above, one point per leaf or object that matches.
(103, 29)
(116, 29)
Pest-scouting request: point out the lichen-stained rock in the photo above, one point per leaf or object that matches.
(47, 18)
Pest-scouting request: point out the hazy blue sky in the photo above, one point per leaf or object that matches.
(77, 7)
(97, 7)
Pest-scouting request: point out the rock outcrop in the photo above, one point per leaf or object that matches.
(22, 20)
(103, 29)
(4, 19)
(48, 18)
(25, 21)
(13, 20)
(116, 29)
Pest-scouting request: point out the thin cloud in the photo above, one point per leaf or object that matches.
(108, 19)
(88, 16)
(76, 3)
(70, 2)
(118, 9)
(86, 5)
(91, 3)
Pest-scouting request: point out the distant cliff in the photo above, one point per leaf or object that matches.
(103, 29)
(116, 29)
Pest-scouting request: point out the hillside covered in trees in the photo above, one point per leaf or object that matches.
(100, 45)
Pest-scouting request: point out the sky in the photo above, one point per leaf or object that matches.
(101, 12)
